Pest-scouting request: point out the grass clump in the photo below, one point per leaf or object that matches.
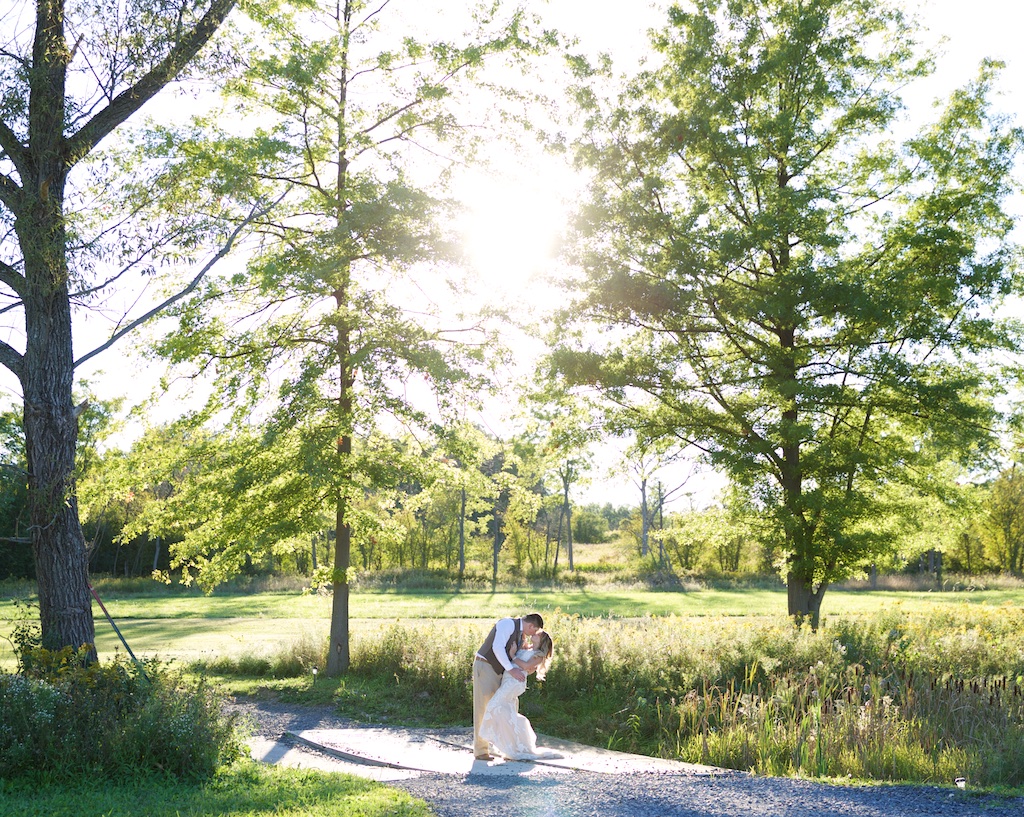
(295, 660)
(893, 697)
(63, 718)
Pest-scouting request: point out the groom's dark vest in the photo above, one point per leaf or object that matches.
(487, 649)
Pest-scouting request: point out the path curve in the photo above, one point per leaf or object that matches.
(544, 790)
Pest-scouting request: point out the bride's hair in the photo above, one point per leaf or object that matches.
(547, 647)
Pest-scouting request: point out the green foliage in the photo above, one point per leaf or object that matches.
(589, 527)
(15, 556)
(26, 634)
(65, 718)
(791, 291)
(1003, 521)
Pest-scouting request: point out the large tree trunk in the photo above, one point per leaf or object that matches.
(65, 608)
(804, 599)
(47, 370)
(61, 557)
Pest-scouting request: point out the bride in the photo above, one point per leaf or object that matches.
(510, 733)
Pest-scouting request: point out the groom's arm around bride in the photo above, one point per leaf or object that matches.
(491, 661)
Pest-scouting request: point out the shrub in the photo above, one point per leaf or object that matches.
(62, 718)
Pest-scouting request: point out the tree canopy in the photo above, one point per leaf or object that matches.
(779, 281)
(337, 335)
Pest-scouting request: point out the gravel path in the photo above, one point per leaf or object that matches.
(585, 794)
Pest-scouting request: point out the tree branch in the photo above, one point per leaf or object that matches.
(254, 214)
(12, 146)
(10, 193)
(11, 359)
(14, 279)
(132, 99)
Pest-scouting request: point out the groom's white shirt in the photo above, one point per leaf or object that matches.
(503, 630)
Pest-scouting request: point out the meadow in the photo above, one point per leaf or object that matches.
(181, 624)
(907, 686)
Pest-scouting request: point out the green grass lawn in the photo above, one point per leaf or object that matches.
(186, 626)
(243, 789)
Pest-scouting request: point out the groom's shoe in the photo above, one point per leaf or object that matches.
(485, 757)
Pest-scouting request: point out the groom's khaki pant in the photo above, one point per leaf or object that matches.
(485, 683)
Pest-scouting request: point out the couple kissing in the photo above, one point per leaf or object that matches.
(513, 649)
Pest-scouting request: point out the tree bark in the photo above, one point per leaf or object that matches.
(34, 198)
(338, 655)
(58, 545)
(644, 519)
(47, 366)
(566, 477)
(804, 599)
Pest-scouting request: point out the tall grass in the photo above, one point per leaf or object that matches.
(891, 697)
(923, 698)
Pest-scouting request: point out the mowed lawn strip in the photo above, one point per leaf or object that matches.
(191, 626)
(485, 605)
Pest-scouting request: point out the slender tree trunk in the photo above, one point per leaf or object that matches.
(659, 511)
(558, 539)
(496, 549)
(462, 532)
(547, 539)
(568, 518)
(644, 519)
(338, 655)
(425, 549)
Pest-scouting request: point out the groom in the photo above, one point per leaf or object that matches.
(491, 661)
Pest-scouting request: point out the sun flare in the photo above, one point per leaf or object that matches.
(512, 230)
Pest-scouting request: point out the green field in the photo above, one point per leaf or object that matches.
(896, 686)
(186, 626)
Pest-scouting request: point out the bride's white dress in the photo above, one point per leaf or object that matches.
(510, 733)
